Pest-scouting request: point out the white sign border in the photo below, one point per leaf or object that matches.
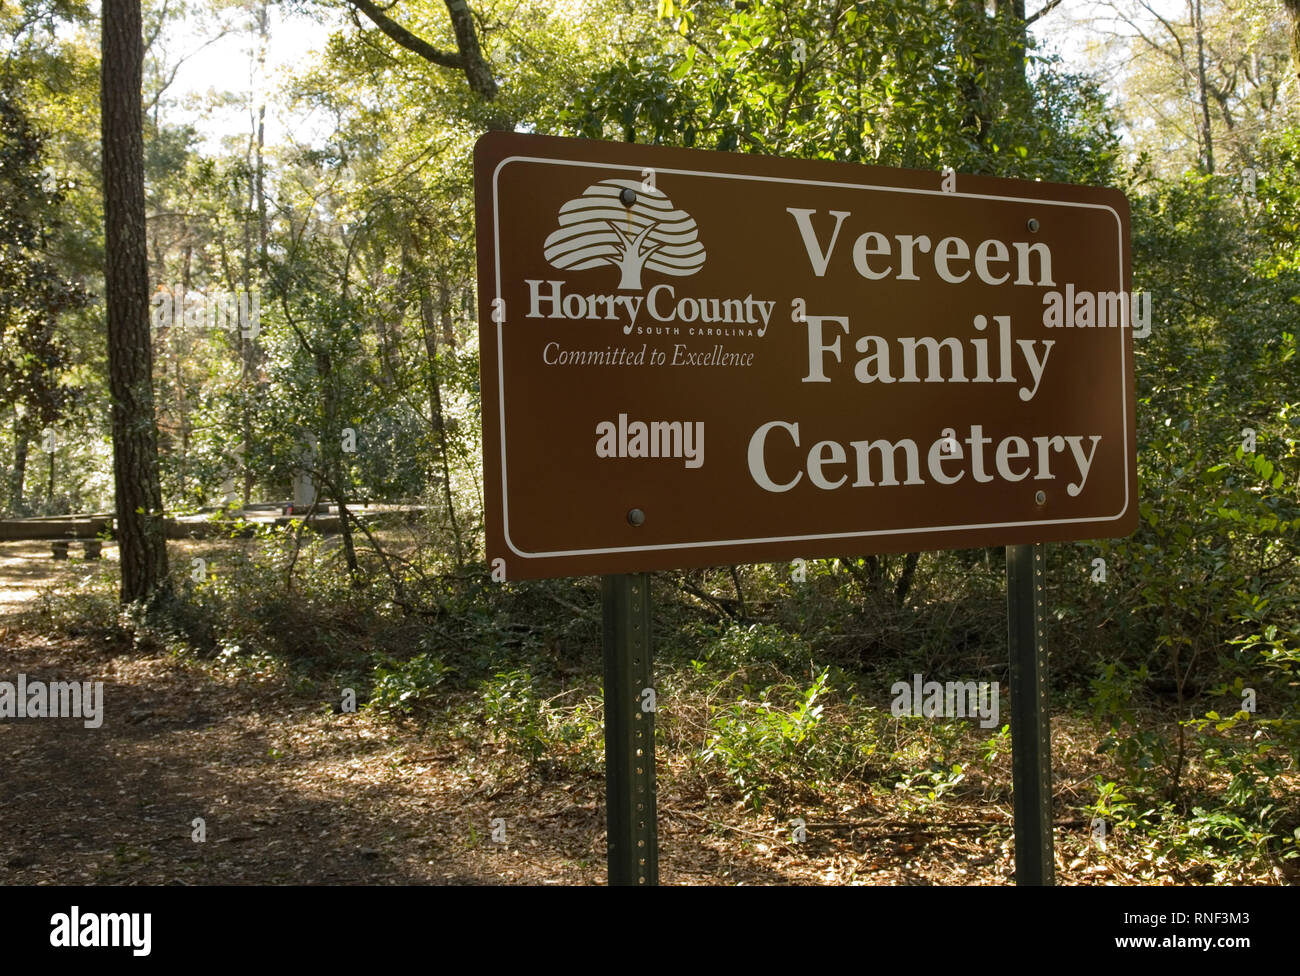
(501, 386)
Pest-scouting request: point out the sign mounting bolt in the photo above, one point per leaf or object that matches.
(636, 517)
(627, 195)
(1040, 497)
(1033, 225)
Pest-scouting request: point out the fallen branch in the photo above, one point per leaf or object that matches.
(690, 588)
(739, 830)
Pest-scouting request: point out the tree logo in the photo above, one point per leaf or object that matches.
(598, 228)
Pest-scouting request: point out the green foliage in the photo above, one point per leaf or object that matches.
(762, 744)
(364, 260)
(997, 745)
(924, 789)
(893, 82)
(36, 292)
(1113, 805)
(741, 645)
(512, 709)
(402, 685)
(1203, 597)
(544, 734)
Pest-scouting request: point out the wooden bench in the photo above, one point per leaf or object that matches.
(60, 527)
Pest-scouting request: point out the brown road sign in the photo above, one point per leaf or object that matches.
(695, 358)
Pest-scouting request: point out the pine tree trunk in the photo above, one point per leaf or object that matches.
(138, 494)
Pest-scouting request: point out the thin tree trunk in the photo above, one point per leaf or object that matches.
(1011, 14)
(247, 344)
(345, 527)
(182, 413)
(1293, 11)
(330, 467)
(137, 492)
(435, 407)
(905, 578)
(263, 39)
(1203, 97)
(179, 437)
(21, 445)
(448, 323)
(975, 83)
(740, 594)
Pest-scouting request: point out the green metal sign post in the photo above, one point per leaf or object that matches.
(1031, 742)
(631, 813)
(630, 809)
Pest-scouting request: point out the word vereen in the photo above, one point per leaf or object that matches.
(876, 256)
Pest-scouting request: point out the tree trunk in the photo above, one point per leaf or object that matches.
(1011, 15)
(905, 578)
(345, 527)
(21, 444)
(249, 351)
(448, 321)
(182, 415)
(435, 405)
(138, 494)
(970, 36)
(1293, 11)
(331, 468)
(1207, 139)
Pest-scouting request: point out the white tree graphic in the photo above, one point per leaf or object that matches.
(597, 228)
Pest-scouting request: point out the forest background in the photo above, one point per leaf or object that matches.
(331, 198)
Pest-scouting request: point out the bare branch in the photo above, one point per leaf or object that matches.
(402, 36)
(1046, 9)
(468, 58)
(166, 83)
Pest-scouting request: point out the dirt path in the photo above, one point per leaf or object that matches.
(28, 566)
(289, 791)
(293, 792)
